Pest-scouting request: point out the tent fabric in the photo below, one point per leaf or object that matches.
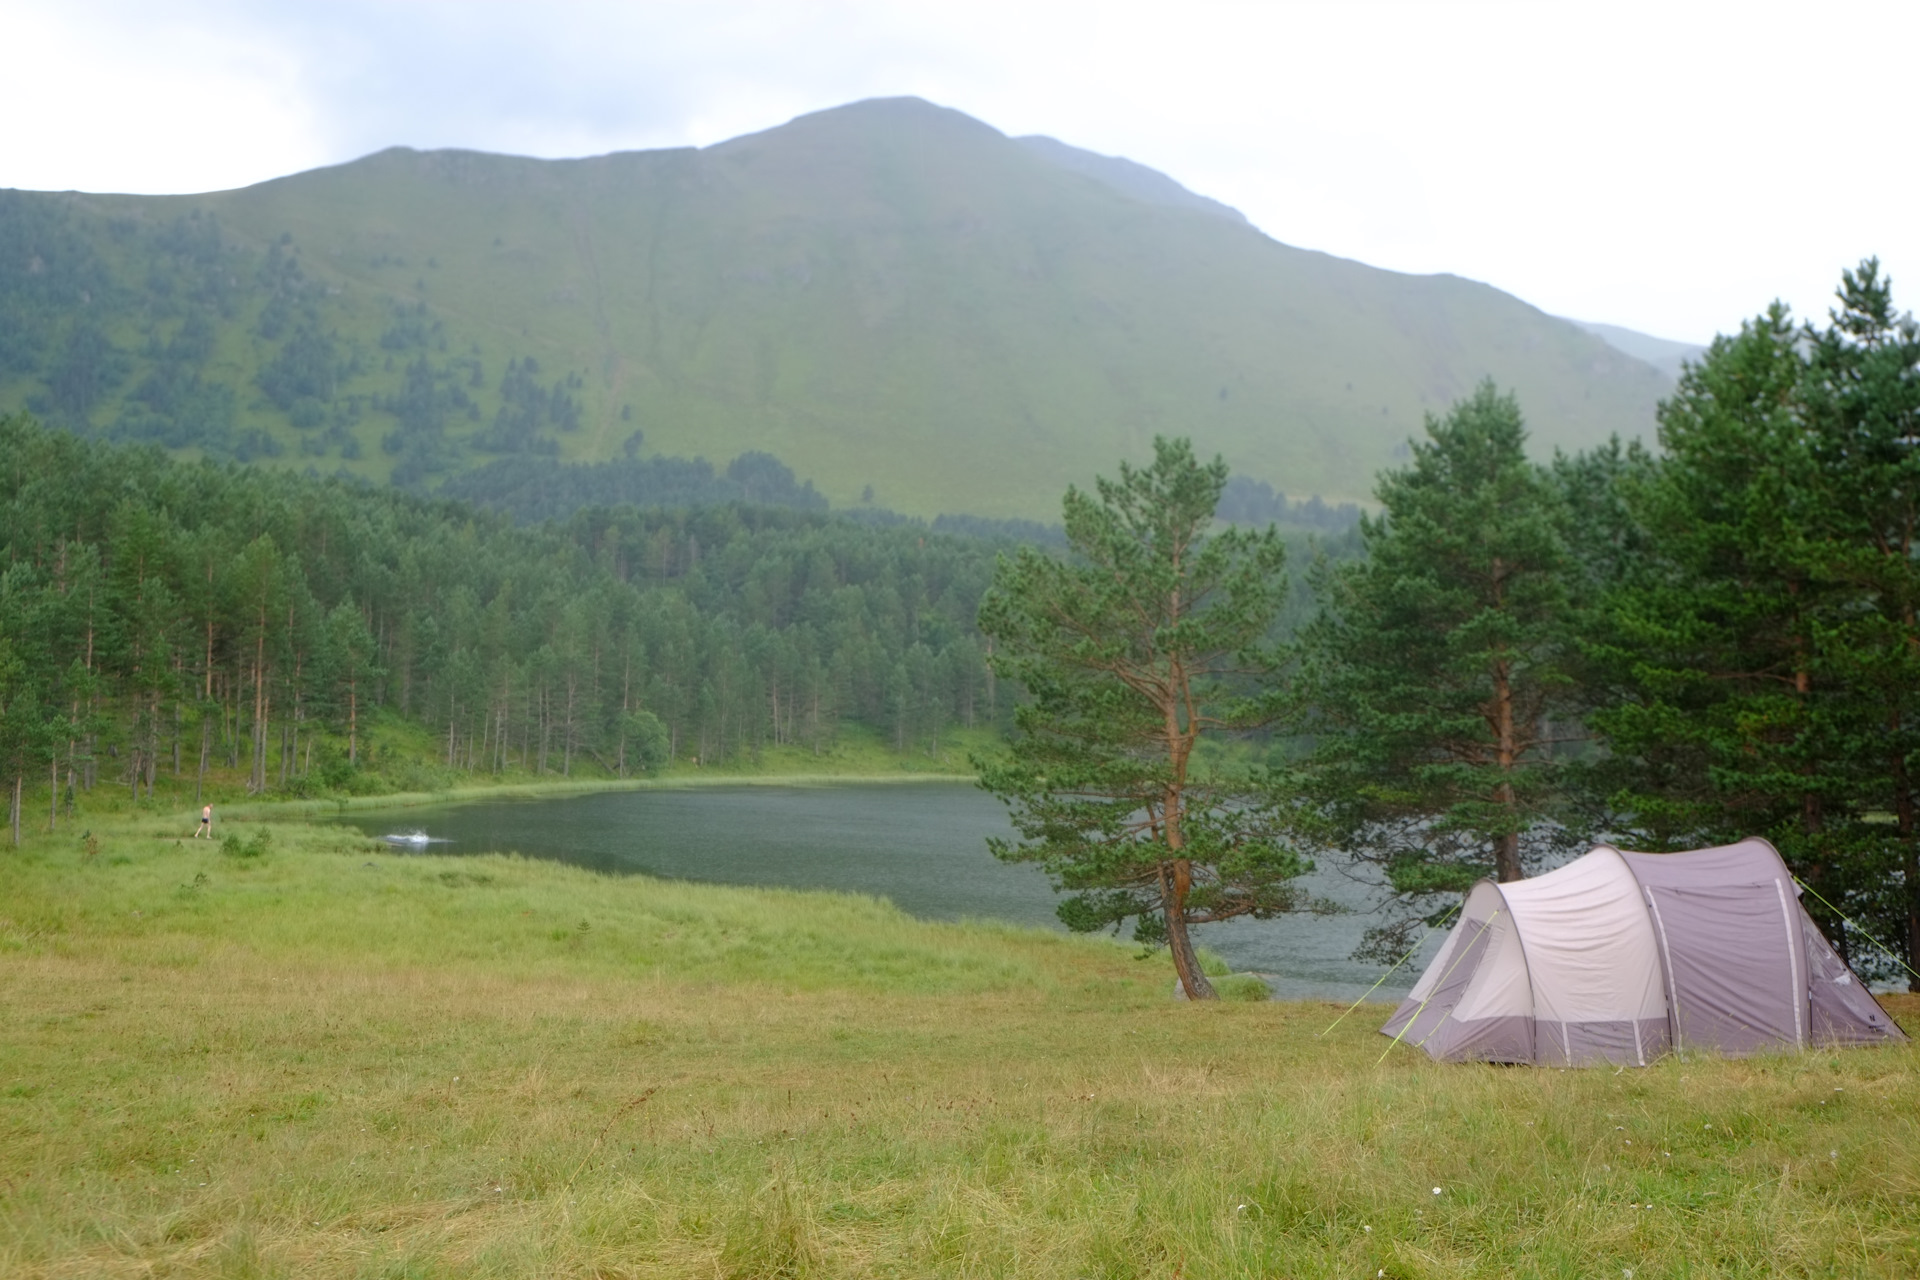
(1728, 922)
(1618, 957)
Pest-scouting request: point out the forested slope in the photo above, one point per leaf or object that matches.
(157, 614)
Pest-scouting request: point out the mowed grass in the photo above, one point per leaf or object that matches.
(332, 1061)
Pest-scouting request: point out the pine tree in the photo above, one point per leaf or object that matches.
(1760, 656)
(1150, 635)
(1440, 665)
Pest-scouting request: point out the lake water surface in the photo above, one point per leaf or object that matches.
(922, 845)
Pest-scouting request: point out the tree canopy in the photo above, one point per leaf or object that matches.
(1757, 663)
(1439, 665)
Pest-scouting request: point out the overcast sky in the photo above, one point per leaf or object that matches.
(1669, 167)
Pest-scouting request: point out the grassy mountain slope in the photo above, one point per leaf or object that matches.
(887, 296)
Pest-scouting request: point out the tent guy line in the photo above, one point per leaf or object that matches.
(1390, 972)
(1485, 925)
(1856, 928)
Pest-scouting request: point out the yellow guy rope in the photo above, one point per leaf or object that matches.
(1396, 964)
(1436, 986)
(1856, 928)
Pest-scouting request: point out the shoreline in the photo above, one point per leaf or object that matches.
(267, 810)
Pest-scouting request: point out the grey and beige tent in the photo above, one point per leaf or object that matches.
(1620, 957)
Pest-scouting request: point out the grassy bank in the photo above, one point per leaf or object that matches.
(273, 811)
(400, 769)
(327, 1060)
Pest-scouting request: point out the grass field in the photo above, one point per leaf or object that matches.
(327, 1060)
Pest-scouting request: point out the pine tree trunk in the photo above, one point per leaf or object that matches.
(1506, 848)
(1904, 823)
(257, 781)
(566, 767)
(1912, 870)
(19, 782)
(1175, 878)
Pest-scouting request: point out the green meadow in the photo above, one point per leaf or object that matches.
(293, 1053)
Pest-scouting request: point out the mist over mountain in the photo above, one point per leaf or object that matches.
(906, 307)
(1664, 354)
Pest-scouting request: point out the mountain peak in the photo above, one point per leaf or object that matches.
(874, 117)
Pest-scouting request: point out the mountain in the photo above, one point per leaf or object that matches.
(1664, 354)
(1129, 178)
(902, 304)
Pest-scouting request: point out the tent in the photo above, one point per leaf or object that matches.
(1619, 957)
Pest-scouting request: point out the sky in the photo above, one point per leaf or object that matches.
(1669, 167)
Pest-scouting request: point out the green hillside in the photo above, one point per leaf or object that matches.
(899, 302)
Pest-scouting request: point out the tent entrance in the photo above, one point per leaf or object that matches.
(1416, 1021)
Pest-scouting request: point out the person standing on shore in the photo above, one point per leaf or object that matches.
(206, 824)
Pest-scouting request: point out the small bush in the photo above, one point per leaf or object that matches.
(255, 846)
(1243, 987)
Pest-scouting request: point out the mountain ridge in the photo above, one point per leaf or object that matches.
(896, 300)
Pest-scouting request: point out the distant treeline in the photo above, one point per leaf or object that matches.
(158, 615)
(535, 489)
(1253, 502)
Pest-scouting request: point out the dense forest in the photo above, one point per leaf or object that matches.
(157, 615)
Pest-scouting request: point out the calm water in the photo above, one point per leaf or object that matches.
(921, 845)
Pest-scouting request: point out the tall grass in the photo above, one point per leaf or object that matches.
(329, 1060)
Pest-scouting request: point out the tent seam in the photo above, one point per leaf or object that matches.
(1802, 994)
(1666, 963)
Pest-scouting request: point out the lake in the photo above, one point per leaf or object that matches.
(922, 845)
